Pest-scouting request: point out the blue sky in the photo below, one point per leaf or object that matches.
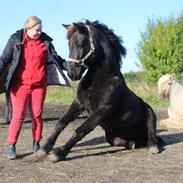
(126, 18)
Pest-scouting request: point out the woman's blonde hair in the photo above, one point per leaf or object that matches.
(31, 22)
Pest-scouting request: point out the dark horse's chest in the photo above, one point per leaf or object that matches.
(90, 98)
(98, 93)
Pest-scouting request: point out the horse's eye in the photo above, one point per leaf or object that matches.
(79, 46)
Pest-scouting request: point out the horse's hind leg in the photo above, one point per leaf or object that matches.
(151, 130)
(71, 114)
(118, 141)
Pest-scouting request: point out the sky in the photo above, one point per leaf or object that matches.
(127, 18)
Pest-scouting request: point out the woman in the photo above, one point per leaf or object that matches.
(32, 64)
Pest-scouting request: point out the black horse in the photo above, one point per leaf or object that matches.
(126, 119)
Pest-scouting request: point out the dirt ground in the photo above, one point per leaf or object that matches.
(92, 160)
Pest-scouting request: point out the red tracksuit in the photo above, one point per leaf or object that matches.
(30, 91)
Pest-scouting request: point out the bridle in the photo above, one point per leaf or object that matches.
(92, 50)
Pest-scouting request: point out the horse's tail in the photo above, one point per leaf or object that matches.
(160, 140)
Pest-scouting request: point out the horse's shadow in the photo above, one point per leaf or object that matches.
(170, 139)
(99, 143)
(167, 139)
(111, 151)
(91, 142)
(23, 155)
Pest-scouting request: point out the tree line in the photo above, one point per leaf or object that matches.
(160, 48)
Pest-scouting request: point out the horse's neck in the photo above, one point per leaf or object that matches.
(176, 94)
(176, 89)
(93, 76)
(98, 77)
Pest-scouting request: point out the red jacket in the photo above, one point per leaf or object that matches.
(11, 62)
(33, 66)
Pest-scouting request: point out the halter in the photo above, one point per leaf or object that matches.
(92, 50)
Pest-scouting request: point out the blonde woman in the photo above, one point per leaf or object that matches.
(33, 63)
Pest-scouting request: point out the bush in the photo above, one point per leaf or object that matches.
(160, 49)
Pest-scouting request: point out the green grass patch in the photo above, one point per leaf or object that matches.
(60, 94)
(136, 81)
(56, 95)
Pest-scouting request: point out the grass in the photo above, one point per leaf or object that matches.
(60, 94)
(135, 81)
(56, 95)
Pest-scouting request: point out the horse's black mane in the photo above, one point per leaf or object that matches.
(115, 40)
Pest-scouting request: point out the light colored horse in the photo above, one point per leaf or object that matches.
(169, 87)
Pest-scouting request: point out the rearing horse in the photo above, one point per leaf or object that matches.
(126, 119)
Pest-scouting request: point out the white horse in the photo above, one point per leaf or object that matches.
(169, 87)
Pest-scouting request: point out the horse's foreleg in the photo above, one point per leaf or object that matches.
(151, 130)
(71, 114)
(92, 121)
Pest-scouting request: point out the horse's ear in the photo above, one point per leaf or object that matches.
(66, 25)
(76, 26)
(79, 27)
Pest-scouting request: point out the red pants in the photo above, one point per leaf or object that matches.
(21, 97)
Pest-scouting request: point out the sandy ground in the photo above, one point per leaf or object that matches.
(92, 160)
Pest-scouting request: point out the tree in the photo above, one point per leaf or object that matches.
(160, 49)
(179, 38)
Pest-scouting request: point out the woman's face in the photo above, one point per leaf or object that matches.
(35, 32)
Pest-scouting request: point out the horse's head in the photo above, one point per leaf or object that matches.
(91, 46)
(81, 49)
(165, 83)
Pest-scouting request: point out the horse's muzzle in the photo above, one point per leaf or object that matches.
(74, 76)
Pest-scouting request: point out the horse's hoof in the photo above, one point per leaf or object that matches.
(53, 158)
(153, 150)
(40, 155)
(131, 144)
(56, 156)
